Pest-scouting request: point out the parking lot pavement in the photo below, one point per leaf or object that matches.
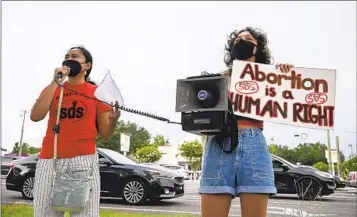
(341, 204)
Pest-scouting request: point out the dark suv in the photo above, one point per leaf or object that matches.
(306, 182)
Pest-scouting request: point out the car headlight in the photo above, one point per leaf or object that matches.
(324, 174)
(158, 174)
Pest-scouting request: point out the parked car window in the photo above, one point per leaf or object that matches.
(100, 156)
(119, 158)
(285, 161)
(277, 164)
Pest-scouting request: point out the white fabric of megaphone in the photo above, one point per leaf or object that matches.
(108, 91)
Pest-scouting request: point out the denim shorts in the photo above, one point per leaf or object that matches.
(248, 169)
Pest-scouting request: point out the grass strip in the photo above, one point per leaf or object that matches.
(20, 210)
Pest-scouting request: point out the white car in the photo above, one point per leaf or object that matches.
(179, 169)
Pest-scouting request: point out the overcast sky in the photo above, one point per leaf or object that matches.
(147, 46)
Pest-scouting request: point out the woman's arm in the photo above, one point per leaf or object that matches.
(106, 126)
(42, 105)
(107, 120)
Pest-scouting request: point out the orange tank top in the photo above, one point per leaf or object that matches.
(250, 122)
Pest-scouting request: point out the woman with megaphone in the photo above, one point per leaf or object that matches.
(67, 172)
(246, 172)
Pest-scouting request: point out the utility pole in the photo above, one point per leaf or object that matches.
(22, 130)
(330, 164)
(350, 145)
(338, 155)
(204, 140)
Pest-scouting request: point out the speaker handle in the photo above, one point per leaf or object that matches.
(232, 129)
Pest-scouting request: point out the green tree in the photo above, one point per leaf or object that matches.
(284, 152)
(311, 153)
(192, 151)
(274, 149)
(160, 140)
(350, 165)
(26, 149)
(139, 137)
(148, 154)
(33, 150)
(342, 157)
(321, 166)
(16, 148)
(306, 154)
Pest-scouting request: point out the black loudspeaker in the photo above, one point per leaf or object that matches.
(203, 103)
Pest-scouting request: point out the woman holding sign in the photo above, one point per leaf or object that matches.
(247, 172)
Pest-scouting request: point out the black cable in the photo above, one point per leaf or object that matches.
(134, 111)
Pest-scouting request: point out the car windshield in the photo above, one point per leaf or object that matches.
(285, 161)
(117, 157)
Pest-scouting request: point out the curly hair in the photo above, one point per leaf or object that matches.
(263, 53)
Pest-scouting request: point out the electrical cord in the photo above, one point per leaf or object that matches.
(117, 106)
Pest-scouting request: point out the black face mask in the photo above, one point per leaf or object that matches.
(75, 67)
(243, 50)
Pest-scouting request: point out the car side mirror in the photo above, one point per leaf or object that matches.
(105, 161)
(285, 167)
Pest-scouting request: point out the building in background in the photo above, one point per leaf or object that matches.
(171, 153)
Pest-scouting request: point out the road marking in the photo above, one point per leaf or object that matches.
(352, 190)
(340, 196)
(277, 202)
(333, 196)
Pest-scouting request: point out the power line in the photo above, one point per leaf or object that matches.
(347, 131)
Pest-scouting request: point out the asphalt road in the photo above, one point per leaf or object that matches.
(341, 204)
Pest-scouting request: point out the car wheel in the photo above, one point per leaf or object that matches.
(27, 188)
(308, 189)
(134, 192)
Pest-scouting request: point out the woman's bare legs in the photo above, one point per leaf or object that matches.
(253, 205)
(215, 205)
(218, 205)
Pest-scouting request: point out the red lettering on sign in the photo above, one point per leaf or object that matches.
(247, 87)
(316, 98)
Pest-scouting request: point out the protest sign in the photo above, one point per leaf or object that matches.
(304, 97)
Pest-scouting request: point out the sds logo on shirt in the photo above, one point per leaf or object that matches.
(73, 111)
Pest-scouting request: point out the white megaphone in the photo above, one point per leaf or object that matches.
(108, 91)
